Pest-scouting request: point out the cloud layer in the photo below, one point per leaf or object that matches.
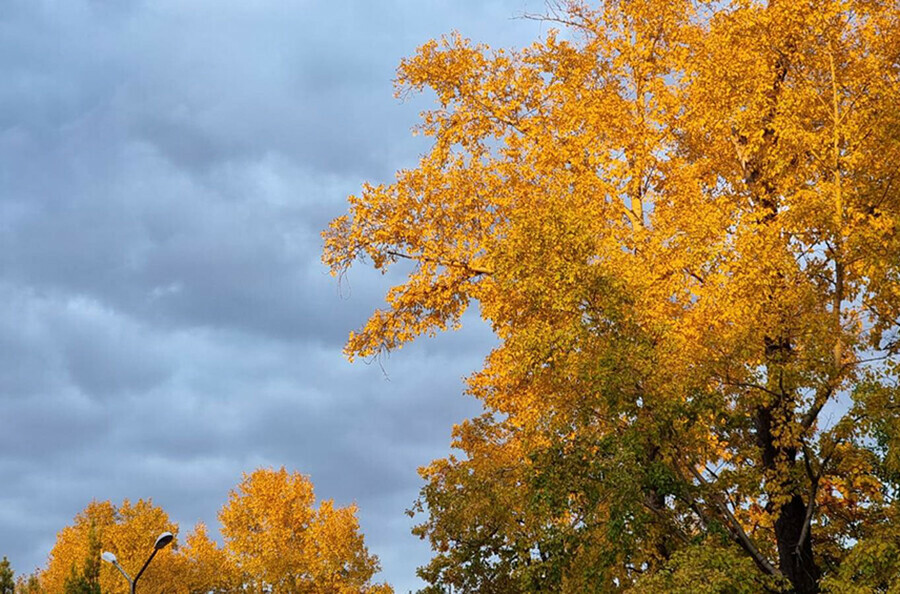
(165, 170)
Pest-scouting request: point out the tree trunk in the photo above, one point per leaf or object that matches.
(795, 559)
(796, 563)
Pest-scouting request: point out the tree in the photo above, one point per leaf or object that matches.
(86, 578)
(30, 584)
(683, 224)
(275, 540)
(128, 531)
(7, 577)
(278, 539)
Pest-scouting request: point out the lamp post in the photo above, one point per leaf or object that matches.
(161, 541)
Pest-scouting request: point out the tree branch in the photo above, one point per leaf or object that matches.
(823, 394)
(738, 532)
(450, 263)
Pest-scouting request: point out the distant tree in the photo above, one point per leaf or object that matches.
(78, 583)
(7, 577)
(30, 584)
(279, 539)
(276, 540)
(85, 578)
(128, 531)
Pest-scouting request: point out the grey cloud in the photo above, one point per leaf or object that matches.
(165, 170)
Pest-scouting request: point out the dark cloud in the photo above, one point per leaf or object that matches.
(166, 169)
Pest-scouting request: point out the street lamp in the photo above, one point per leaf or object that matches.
(161, 541)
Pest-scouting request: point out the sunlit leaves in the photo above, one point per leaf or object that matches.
(128, 531)
(681, 220)
(278, 538)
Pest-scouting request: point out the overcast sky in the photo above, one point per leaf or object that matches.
(166, 167)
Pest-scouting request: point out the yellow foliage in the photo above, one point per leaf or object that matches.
(682, 223)
(277, 538)
(201, 566)
(129, 531)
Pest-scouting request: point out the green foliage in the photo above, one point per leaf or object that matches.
(709, 567)
(873, 565)
(78, 583)
(7, 581)
(875, 406)
(87, 579)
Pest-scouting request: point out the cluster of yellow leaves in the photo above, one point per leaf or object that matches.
(277, 539)
(128, 531)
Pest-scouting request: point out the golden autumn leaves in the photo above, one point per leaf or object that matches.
(277, 539)
(682, 221)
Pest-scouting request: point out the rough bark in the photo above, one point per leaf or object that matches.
(796, 562)
(795, 552)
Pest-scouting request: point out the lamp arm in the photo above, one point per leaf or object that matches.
(146, 563)
(122, 571)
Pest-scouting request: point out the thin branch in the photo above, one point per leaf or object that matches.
(823, 394)
(450, 263)
(554, 18)
(751, 385)
(678, 532)
(694, 275)
(743, 539)
(808, 459)
(815, 477)
(807, 518)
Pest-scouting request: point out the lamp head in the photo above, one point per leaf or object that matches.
(108, 557)
(163, 540)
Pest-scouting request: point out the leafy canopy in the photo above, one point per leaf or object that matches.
(277, 539)
(682, 221)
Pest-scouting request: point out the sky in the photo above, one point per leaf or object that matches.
(166, 168)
